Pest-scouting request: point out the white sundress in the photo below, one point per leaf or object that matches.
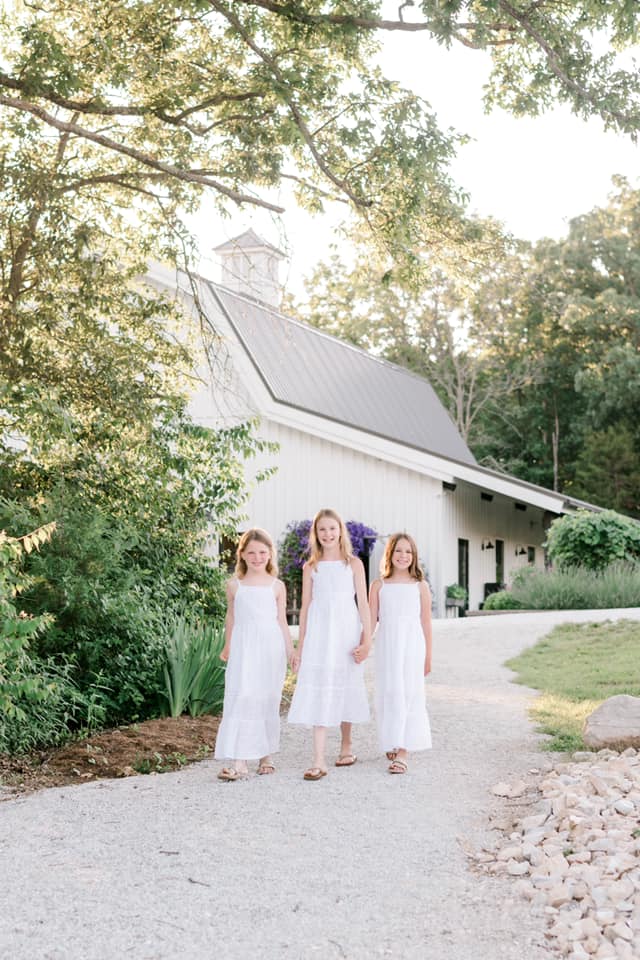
(401, 711)
(330, 687)
(250, 727)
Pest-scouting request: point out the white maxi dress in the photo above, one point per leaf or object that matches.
(330, 687)
(401, 711)
(250, 727)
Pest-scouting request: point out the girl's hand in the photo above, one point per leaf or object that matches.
(427, 667)
(224, 654)
(361, 652)
(294, 661)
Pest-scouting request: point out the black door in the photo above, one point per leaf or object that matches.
(500, 562)
(463, 568)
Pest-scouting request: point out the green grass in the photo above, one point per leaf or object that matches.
(575, 668)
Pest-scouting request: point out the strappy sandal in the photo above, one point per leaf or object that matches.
(398, 766)
(346, 760)
(392, 754)
(230, 774)
(314, 773)
(266, 768)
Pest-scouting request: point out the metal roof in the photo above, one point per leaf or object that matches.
(308, 369)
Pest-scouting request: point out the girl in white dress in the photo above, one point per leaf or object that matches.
(334, 640)
(257, 645)
(401, 604)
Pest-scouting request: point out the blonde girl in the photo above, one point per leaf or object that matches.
(257, 645)
(401, 607)
(334, 641)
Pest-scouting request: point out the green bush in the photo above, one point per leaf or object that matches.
(593, 540)
(192, 670)
(502, 600)
(38, 700)
(108, 592)
(571, 588)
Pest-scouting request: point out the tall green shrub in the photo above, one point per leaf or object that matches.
(192, 670)
(571, 588)
(593, 540)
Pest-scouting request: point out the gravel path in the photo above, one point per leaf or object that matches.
(359, 865)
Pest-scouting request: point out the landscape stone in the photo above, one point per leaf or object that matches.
(616, 722)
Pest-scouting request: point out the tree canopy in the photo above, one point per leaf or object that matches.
(533, 349)
(238, 97)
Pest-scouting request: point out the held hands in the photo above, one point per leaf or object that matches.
(293, 659)
(361, 652)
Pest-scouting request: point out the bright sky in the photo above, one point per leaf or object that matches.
(534, 174)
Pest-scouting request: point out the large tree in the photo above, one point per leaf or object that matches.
(240, 95)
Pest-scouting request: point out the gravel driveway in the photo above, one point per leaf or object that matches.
(358, 865)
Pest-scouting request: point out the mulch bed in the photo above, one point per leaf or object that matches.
(153, 746)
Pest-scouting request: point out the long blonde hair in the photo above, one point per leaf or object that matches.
(344, 541)
(386, 565)
(256, 533)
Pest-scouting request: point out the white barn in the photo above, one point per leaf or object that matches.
(358, 434)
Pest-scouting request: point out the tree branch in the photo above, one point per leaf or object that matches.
(96, 107)
(187, 176)
(291, 12)
(555, 64)
(293, 108)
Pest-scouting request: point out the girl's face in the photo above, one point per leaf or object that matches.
(256, 555)
(402, 556)
(328, 532)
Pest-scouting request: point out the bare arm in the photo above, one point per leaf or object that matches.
(374, 604)
(361, 652)
(307, 591)
(281, 602)
(425, 620)
(230, 590)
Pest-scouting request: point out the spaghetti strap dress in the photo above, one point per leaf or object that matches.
(401, 711)
(250, 727)
(331, 687)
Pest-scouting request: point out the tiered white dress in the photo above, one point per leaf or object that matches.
(250, 727)
(401, 711)
(330, 687)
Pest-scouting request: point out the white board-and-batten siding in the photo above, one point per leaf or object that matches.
(466, 515)
(313, 473)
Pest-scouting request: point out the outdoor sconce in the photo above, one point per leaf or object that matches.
(520, 550)
(486, 544)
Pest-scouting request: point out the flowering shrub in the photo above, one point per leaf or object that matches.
(363, 538)
(294, 550)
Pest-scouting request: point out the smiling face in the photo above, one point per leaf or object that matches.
(402, 556)
(256, 555)
(328, 532)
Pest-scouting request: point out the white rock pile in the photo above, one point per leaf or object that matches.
(576, 855)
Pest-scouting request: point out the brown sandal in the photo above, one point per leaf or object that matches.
(398, 766)
(229, 774)
(314, 773)
(346, 760)
(266, 768)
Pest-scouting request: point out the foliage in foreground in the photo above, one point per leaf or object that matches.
(571, 588)
(192, 670)
(575, 668)
(38, 698)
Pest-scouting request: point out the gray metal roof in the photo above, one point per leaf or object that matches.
(308, 369)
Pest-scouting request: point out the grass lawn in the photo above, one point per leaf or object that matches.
(575, 668)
